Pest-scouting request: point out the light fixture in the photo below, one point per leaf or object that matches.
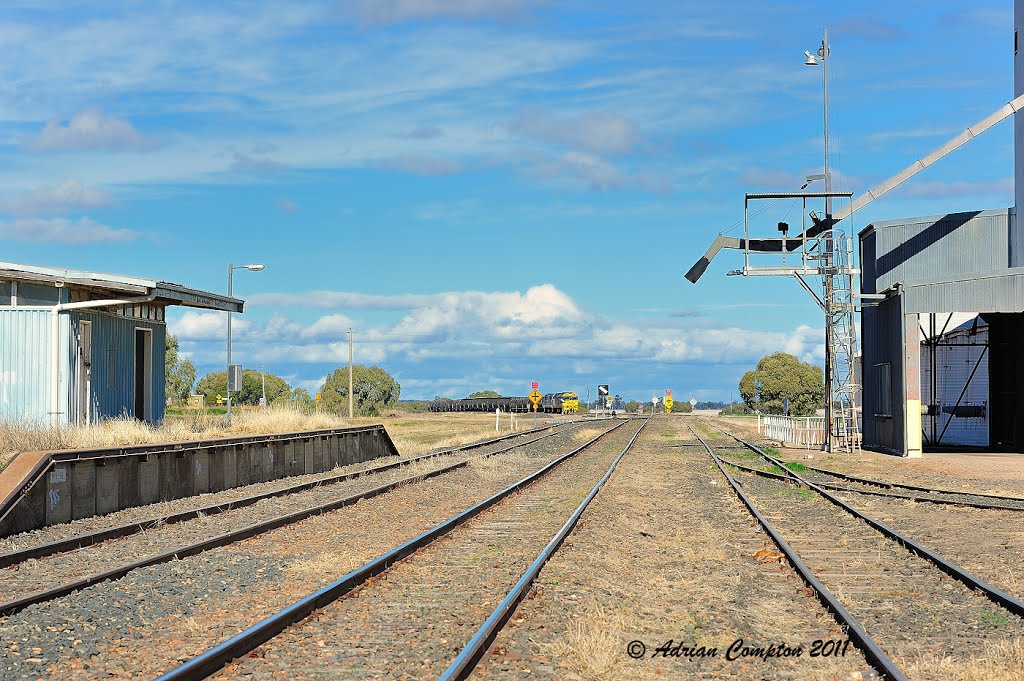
(255, 268)
(811, 59)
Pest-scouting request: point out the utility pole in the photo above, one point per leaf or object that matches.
(350, 373)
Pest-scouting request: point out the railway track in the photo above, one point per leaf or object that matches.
(881, 488)
(437, 600)
(158, 615)
(66, 565)
(908, 608)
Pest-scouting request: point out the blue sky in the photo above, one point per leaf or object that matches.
(488, 192)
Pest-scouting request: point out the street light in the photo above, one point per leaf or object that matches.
(231, 270)
(822, 59)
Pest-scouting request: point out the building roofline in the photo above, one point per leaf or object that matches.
(165, 292)
(882, 224)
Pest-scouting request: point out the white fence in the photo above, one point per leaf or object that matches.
(798, 431)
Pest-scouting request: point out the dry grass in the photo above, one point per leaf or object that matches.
(413, 433)
(586, 434)
(331, 563)
(594, 643)
(493, 468)
(1001, 661)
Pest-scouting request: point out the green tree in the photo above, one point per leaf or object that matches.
(374, 389)
(216, 383)
(780, 376)
(484, 393)
(632, 406)
(180, 373)
(298, 398)
(682, 407)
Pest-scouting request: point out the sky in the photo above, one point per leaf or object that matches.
(489, 192)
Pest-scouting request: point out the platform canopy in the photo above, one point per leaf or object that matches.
(165, 292)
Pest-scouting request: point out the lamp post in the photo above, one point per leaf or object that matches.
(227, 375)
(822, 58)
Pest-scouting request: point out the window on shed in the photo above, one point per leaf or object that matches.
(5, 292)
(883, 383)
(37, 294)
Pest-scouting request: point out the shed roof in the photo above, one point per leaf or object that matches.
(165, 292)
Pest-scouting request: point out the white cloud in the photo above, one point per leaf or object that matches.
(419, 164)
(597, 132)
(90, 130)
(205, 326)
(597, 173)
(382, 12)
(70, 195)
(63, 231)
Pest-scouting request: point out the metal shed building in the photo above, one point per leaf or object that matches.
(922, 270)
(76, 347)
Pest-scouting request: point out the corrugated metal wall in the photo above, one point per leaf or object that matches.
(920, 249)
(113, 363)
(883, 417)
(25, 365)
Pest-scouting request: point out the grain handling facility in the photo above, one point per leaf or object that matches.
(76, 347)
(923, 272)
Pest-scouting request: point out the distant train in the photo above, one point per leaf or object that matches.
(552, 403)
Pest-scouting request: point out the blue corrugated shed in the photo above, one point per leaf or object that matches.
(110, 338)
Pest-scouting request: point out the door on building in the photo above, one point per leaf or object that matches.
(84, 406)
(144, 374)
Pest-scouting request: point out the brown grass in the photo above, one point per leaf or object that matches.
(1001, 661)
(594, 643)
(413, 433)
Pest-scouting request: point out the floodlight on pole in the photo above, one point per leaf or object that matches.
(256, 267)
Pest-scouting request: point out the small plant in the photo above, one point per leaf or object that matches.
(994, 618)
(771, 451)
(796, 466)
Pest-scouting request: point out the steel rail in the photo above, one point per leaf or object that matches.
(997, 596)
(888, 495)
(854, 628)
(90, 538)
(19, 604)
(884, 483)
(216, 658)
(464, 663)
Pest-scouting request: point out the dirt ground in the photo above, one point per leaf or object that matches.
(974, 472)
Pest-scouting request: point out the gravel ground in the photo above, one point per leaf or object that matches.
(911, 609)
(991, 473)
(36, 575)
(666, 552)
(412, 621)
(156, 617)
(987, 543)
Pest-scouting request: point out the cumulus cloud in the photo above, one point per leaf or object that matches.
(383, 12)
(90, 130)
(63, 231)
(598, 132)
(70, 195)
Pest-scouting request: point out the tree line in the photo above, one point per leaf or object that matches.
(373, 389)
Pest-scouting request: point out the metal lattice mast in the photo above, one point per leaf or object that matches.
(840, 318)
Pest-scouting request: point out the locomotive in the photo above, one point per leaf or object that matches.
(552, 403)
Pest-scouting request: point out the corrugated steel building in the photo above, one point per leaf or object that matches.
(920, 271)
(76, 347)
